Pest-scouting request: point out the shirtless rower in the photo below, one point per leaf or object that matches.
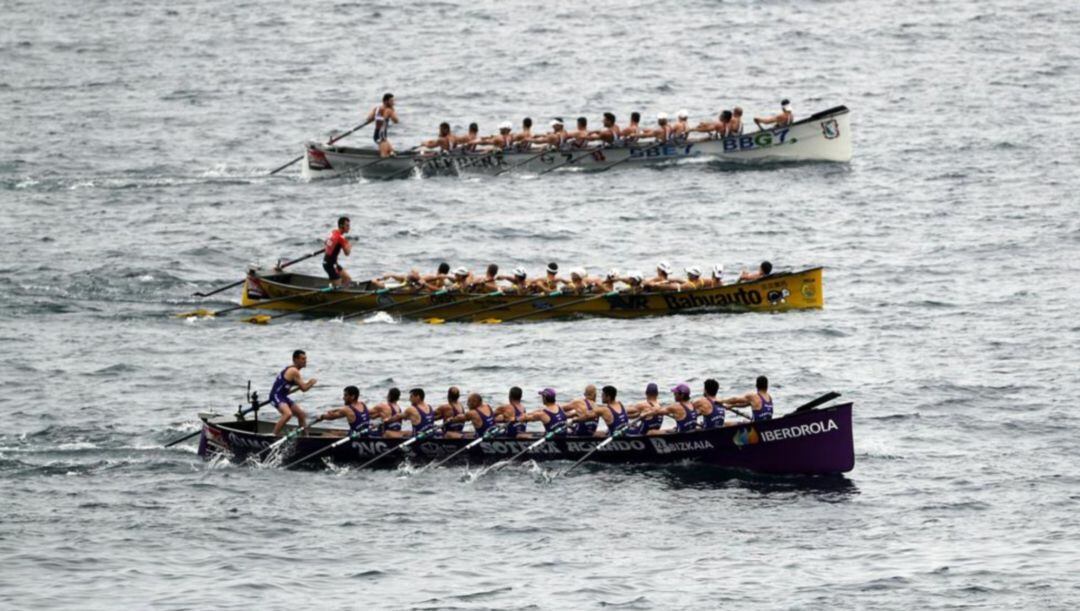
(662, 281)
(504, 140)
(519, 282)
(335, 244)
(471, 141)
(783, 118)
(633, 130)
(513, 413)
(693, 279)
(419, 414)
(551, 414)
(463, 279)
(663, 132)
(452, 409)
(580, 137)
(385, 411)
(556, 137)
(711, 409)
(446, 140)
(636, 282)
(613, 412)
(648, 422)
(523, 140)
(480, 414)
(681, 128)
(715, 129)
(681, 411)
(489, 283)
(382, 115)
(579, 284)
(354, 411)
(735, 128)
(279, 392)
(611, 134)
(763, 270)
(716, 277)
(441, 277)
(551, 281)
(607, 283)
(760, 401)
(581, 410)
(411, 282)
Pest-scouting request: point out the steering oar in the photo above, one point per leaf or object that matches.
(279, 266)
(204, 313)
(332, 140)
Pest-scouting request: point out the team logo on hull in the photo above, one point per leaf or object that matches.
(747, 437)
(830, 128)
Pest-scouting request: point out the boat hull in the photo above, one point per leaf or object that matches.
(812, 442)
(825, 136)
(776, 293)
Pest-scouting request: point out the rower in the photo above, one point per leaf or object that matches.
(647, 423)
(513, 413)
(480, 414)
(411, 282)
(385, 411)
(760, 401)
(663, 132)
(504, 141)
(551, 281)
(580, 137)
(607, 283)
(662, 281)
(681, 410)
(382, 115)
(681, 129)
(524, 138)
(472, 140)
(450, 410)
(581, 410)
(335, 244)
(636, 282)
(716, 277)
(715, 129)
(420, 414)
(279, 392)
(446, 140)
(462, 280)
(354, 411)
(579, 282)
(551, 415)
(489, 283)
(735, 128)
(763, 270)
(556, 137)
(631, 132)
(611, 134)
(693, 279)
(613, 412)
(441, 277)
(783, 118)
(519, 282)
(710, 408)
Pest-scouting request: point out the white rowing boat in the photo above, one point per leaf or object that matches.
(825, 136)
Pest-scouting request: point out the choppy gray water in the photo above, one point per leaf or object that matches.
(136, 140)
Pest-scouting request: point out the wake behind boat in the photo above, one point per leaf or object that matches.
(824, 136)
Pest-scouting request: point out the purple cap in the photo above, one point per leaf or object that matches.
(652, 389)
(681, 389)
(548, 394)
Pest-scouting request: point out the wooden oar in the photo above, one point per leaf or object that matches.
(204, 313)
(394, 305)
(351, 436)
(402, 446)
(332, 140)
(262, 319)
(497, 307)
(572, 160)
(488, 434)
(241, 413)
(548, 436)
(495, 321)
(280, 266)
(439, 321)
(615, 435)
(825, 398)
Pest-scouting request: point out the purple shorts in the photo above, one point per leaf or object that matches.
(284, 401)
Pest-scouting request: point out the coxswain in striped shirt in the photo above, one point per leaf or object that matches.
(760, 401)
(279, 392)
(382, 115)
(335, 244)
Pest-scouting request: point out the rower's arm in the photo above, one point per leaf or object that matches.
(332, 414)
(738, 401)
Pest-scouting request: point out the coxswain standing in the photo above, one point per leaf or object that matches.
(513, 414)
(450, 410)
(681, 411)
(711, 409)
(382, 115)
(354, 411)
(335, 244)
(784, 118)
(279, 392)
(760, 401)
(551, 415)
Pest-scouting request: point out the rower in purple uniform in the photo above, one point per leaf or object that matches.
(382, 115)
(279, 392)
(581, 410)
(760, 401)
(513, 413)
(420, 414)
(681, 410)
(551, 415)
(710, 408)
(613, 413)
(450, 411)
(354, 411)
(480, 414)
(648, 423)
(385, 411)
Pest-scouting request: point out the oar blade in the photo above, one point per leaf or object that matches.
(435, 321)
(200, 313)
(258, 319)
(490, 321)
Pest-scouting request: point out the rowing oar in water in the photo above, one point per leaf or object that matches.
(548, 436)
(439, 321)
(263, 319)
(436, 321)
(488, 434)
(332, 140)
(204, 313)
(347, 438)
(495, 321)
(395, 304)
(402, 446)
(573, 159)
(619, 433)
(628, 157)
(279, 267)
(241, 413)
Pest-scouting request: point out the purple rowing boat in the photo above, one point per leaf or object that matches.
(807, 442)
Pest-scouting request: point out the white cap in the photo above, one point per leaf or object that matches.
(578, 271)
(555, 122)
(694, 271)
(683, 114)
(663, 266)
(461, 271)
(520, 272)
(718, 270)
(636, 276)
(612, 273)
(661, 116)
(506, 125)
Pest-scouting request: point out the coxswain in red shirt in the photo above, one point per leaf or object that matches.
(335, 245)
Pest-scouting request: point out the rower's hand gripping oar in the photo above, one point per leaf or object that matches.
(496, 321)
(278, 267)
(488, 434)
(332, 140)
